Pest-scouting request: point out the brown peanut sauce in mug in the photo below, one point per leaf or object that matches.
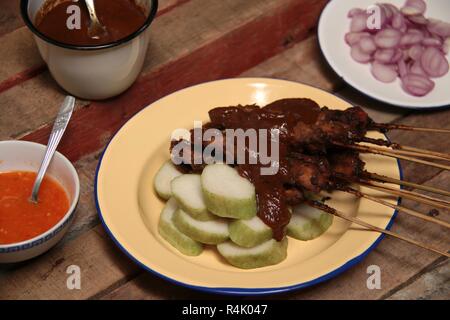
(120, 17)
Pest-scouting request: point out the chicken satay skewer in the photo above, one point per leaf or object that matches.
(391, 154)
(410, 212)
(418, 197)
(381, 178)
(357, 221)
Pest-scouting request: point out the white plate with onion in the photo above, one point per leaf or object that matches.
(403, 60)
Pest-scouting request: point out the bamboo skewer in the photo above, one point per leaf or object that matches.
(420, 152)
(407, 153)
(421, 198)
(434, 153)
(408, 184)
(408, 128)
(357, 221)
(397, 207)
(393, 155)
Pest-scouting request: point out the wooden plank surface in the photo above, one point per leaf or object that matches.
(432, 284)
(9, 16)
(221, 39)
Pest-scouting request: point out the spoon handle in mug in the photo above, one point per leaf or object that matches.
(59, 127)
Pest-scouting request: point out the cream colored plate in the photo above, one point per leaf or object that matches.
(129, 208)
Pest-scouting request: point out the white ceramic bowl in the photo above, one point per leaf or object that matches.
(333, 26)
(27, 156)
(93, 72)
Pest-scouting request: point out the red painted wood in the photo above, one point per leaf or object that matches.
(21, 77)
(91, 127)
(164, 10)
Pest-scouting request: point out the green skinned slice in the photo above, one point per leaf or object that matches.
(163, 178)
(308, 223)
(266, 254)
(188, 192)
(249, 233)
(208, 232)
(227, 194)
(175, 237)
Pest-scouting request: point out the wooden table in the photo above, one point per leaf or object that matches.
(194, 41)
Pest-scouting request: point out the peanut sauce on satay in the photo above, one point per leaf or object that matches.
(270, 189)
(308, 158)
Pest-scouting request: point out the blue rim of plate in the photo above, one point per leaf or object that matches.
(413, 108)
(229, 290)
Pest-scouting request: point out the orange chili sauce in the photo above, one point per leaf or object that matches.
(20, 219)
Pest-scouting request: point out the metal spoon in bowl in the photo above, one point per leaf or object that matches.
(59, 127)
(96, 30)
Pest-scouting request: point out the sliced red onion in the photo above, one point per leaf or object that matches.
(373, 23)
(389, 10)
(360, 56)
(399, 54)
(367, 45)
(411, 38)
(399, 22)
(359, 23)
(408, 45)
(419, 19)
(439, 28)
(434, 62)
(354, 12)
(383, 73)
(353, 38)
(415, 52)
(385, 55)
(432, 42)
(446, 46)
(417, 85)
(388, 38)
(416, 31)
(414, 7)
(416, 68)
(402, 68)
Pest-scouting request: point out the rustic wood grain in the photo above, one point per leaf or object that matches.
(10, 18)
(19, 53)
(302, 63)
(149, 287)
(29, 106)
(430, 141)
(100, 263)
(434, 284)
